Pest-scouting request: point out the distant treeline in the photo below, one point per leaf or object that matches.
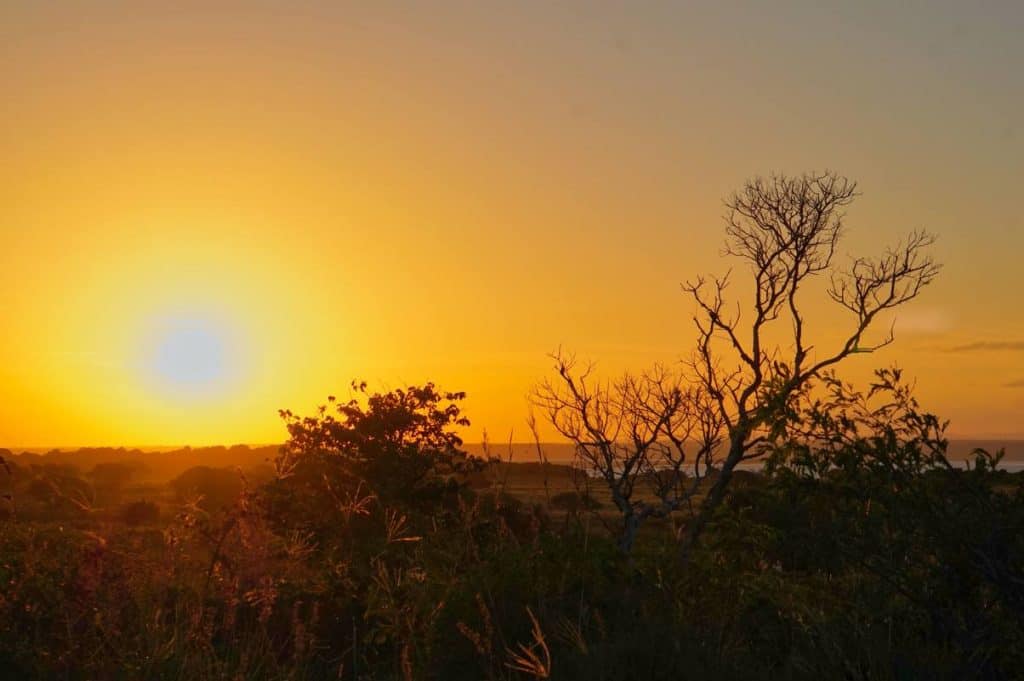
(164, 464)
(152, 465)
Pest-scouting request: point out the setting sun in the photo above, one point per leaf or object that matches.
(191, 357)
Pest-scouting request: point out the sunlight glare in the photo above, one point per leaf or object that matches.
(190, 357)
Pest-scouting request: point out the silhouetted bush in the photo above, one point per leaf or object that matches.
(214, 488)
(574, 501)
(140, 513)
(859, 552)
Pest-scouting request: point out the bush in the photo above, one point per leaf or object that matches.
(575, 502)
(217, 487)
(139, 513)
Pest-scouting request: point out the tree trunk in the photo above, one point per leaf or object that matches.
(630, 526)
(717, 493)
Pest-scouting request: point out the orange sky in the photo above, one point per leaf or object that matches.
(405, 192)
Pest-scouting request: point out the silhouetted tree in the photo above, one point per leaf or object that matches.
(403, 443)
(786, 230)
(743, 377)
(642, 435)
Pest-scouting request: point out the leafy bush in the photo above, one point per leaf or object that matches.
(214, 488)
(140, 513)
(574, 501)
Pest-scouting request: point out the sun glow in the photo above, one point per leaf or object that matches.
(191, 357)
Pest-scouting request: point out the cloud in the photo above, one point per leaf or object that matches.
(988, 345)
(1019, 383)
(923, 321)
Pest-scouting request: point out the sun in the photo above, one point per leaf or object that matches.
(190, 357)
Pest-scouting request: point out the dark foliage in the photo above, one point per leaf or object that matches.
(402, 444)
(575, 501)
(210, 488)
(860, 552)
(140, 512)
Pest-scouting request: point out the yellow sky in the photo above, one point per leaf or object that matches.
(448, 192)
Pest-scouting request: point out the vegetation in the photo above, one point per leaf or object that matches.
(649, 430)
(860, 551)
(376, 547)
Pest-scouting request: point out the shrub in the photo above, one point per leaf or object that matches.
(140, 512)
(574, 502)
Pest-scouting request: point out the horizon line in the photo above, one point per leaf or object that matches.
(1016, 437)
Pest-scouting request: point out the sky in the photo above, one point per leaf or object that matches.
(302, 194)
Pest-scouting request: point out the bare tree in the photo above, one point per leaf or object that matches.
(787, 230)
(641, 435)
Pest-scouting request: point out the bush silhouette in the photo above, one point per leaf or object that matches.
(574, 501)
(139, 513)
(402, 444)
(216, 487)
